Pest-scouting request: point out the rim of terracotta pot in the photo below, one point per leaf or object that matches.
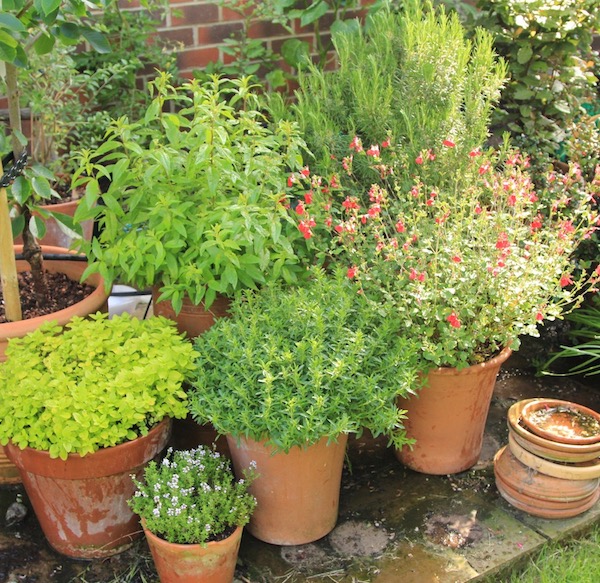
(497, 360)
(552, 454)
(119, 457)
(528, 418)
(514, 421)
(88, 305)
(183, 546)
(577, 471)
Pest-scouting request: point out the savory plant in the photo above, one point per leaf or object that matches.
(196, 196)
(468, 267)
(192, 497)
(95, 383)
(292, 366)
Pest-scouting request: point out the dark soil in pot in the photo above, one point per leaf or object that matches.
(63, 292)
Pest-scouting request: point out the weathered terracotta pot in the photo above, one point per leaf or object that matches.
(81, 502)
(297, 492)
(192, 319)
(93, 303)
(213, 563)
(447, 417)
(539, 494)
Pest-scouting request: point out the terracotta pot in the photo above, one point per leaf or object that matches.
(561, 421)
(94, 302)
(579, 471)
(81, 502)
(193, 320)
(447, 417)
(517, 428)
(54, 235)
(213, 563)
(297, 492)
(538, 494)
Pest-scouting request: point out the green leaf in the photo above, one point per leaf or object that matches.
(524, 54)
(41, 187)
(44, 44)
(522, 93)
(37, 226)
(11, 22)
(49, 6)
(295, 51)
(97, 40)
(313, 12)
(17, 225)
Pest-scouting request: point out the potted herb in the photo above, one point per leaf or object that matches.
(196, 199)
(82, 408)
(467, 268)
(292, 373)
(193, 512)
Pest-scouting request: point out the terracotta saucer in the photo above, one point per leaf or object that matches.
(562, 421)
(514, 421)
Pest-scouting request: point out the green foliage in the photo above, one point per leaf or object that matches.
(192, 497)
(547, 46)
(196, 197)
(410, 77)
(469, 265)
(584, 353)
(295, 365)
(96, 383)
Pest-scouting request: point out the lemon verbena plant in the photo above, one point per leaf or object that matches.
(468, 266)
(94, 383)
(193, 193)
(292, 366)
(192, 497)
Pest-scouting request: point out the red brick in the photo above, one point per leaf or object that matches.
(266, 29)
(217, 33)
(197, 58)
(228, 15)
(195, 14)
(183, 36)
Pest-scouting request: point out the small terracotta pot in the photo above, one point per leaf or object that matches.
(447, 417)
(579, 471)
(538, 494)
(192, 319)
(561, 421)
(93, 303)
(81, 502)
(297, 492)
(213, 563)
(514, 423)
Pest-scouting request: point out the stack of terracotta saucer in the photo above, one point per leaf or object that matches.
(551, 465)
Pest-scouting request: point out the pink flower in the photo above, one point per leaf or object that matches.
(502, 242)
(539, 316)
(453, 320)
(328, 221)
(419, 159)
(291, 180)
(300, 208)
(449, 143)
(339, 228)
(308, 197)
(474, 153)
(350, 203)
(351, 273)
(484, 168)
(536, 223)
(385, 144)
(478, 209)
(356, 144)
(305, 171)
(413, 274)
(566, 280)
(373, 151)
(456, 259)
(400, 227)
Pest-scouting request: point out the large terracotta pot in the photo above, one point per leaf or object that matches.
(213, 563)
(81, 502)
(297, 492)
(447, 417)
(192, 319)
(94, 302)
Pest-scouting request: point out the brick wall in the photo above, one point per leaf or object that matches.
(199, 27)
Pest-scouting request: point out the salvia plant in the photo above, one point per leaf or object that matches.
(192, 497)
(469, 266)
(195, 196)
(95, 383)
(292, 366)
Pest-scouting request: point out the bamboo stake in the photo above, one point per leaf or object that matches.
(8, 265)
